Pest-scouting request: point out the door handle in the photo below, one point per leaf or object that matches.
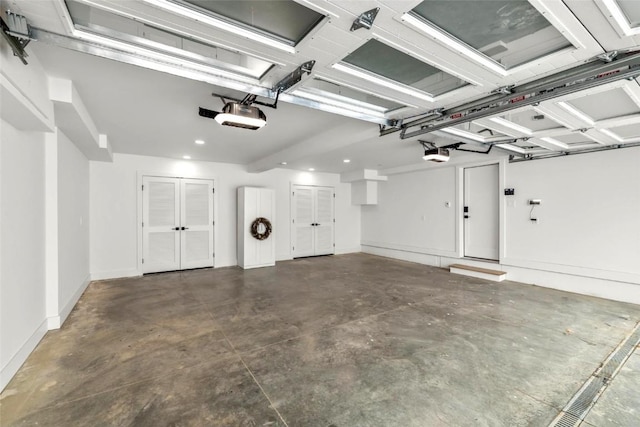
(466, 216)
(184, 228)
(176, 228)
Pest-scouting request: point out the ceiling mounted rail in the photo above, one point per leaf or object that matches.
(586, 76)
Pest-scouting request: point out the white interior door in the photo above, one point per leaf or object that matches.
(303, 220)
(324, 221)
(177, 224)
(313, 221)
(160, 224)
(481, 205)
(196, 228)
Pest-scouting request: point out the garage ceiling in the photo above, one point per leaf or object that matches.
(153, 62)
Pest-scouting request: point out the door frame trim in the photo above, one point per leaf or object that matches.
(139, 238)
(501, 204)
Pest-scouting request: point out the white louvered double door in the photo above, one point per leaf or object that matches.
(177, 224)
(312, 220)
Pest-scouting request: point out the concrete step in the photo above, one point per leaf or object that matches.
(482, 273)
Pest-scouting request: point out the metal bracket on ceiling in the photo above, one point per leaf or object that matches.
(294, 77)
(504, 90)
(17, 32)
(365, 20)
(607, 56)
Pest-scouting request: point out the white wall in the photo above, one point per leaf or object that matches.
(114, 207)
(587, 238)
(73, 224)
(22, 261)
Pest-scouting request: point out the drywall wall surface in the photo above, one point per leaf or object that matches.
(589, 215)
(73, 223)
(587, 221)
(22, 254)
(114, 208)
(412, 213)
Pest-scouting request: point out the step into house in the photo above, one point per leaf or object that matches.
(482, 273)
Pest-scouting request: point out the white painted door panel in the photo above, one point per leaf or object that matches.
(313, 221)
(177, 230)
(481, 223)
(196, 235)
(303, 219)
(160, 224)
(324, 221)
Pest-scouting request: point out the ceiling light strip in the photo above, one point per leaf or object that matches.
(364, 108)
(363, 90)
(446, 39)
(220, 24)
(575, 112)
(179, 32)
(383, 82)
(511, 125)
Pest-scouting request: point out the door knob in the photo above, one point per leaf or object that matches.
(176, 228)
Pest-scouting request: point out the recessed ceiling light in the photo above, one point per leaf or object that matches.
(311, 169)
(346, 161)
(283, 163)
(199, 142)
(186, 157)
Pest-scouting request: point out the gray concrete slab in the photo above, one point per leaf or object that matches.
(351, 340)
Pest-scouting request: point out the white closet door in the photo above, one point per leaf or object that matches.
(324, 220)
(161, 221)
(481, 221)
(196, 212)
(303, 220)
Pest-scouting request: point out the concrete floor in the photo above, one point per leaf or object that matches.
(342, 341)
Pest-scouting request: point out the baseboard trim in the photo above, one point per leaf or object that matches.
(56, 322)
(11, 368)
(106, 275)
(354, 249)
(570, 282)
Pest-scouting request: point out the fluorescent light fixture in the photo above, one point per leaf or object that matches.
(383, 82)
(620, 18)
(360, 107)
(574, 111)
(511, 125)
(436, 154)
(346, 161)
(360, 89)
(512, 148)
(220, 24)
(611, 135)
(199, 142)
(444, 38)
(554, 142)
(311, 169)
(186, 157)
(464, 134)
